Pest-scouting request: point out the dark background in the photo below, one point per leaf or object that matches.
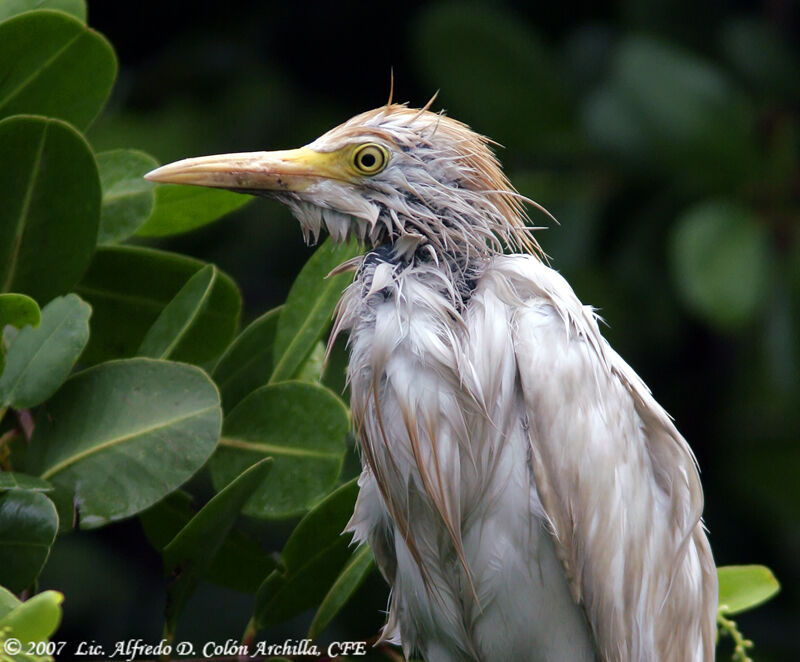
(623, 119)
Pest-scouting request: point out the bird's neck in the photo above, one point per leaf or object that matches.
(461, 269)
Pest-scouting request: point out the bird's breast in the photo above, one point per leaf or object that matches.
(448, 502)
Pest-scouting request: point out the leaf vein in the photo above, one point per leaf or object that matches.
(256, 447)
(60, 466)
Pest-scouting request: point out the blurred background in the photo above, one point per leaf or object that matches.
(663, 135)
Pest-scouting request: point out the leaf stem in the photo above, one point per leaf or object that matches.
(167, 635)
(5, 452)
(25, 423)
(729, 627)
(250, 633)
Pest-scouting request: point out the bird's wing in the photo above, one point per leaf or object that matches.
(618, 483)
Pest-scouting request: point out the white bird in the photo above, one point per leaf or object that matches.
(523, 493)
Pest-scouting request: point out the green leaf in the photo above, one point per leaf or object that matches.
(51, 205)
(743, 587)
(309, 307)
(313, 557)
(352, 576)
(191, 552)
(124, 434)
(303, 427)
(61, 68)
(9, 8)
(240, 564)
(128, 198)
(129, 287)
(35, 619)
(28, 527)
(8, 601)
(720, 261)
(39, 359)
(18, 481)
(180, 209)
(18, 310)
(498, 50)
(323, 525)
(247, 363)
(178, 316)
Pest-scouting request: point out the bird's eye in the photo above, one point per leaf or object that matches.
(370, 159)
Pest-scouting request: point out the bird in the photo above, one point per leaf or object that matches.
(522, 492)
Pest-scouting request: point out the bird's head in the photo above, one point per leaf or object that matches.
(392, 175)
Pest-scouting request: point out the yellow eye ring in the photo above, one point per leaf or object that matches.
(370, 159)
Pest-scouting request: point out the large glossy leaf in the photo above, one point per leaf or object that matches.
(28, 527)
(16, 481)
(128, 198)
(9, 8)
(124, 434)
(190, 553)
(240, 563)
(180, 209)
(247, 363)
(308, 309)
(303, 427)
(743, 587)
(351, 577)
(720, 258)
(129, 287)
(53, 65)
(178, 316)
(312, 559)
(51, 205)
(18, 310)
(35, 619)
(39, 359)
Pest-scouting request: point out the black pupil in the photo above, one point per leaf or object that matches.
(368, 160)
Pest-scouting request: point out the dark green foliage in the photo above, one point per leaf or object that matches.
(120, 437)
(190, 553)
(28, 526)
(303, 427)
(240, 563)
(45, 247)
(135, 285)
(311, 560)
(247, 363)
(62, 69)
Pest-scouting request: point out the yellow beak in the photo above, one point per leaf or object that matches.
(287, 170)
